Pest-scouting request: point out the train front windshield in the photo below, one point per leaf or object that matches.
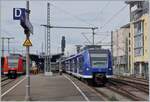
(99, 60)
(12, 62)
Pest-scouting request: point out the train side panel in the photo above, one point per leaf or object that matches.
(5, 66)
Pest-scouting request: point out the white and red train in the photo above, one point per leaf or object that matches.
(13, 65)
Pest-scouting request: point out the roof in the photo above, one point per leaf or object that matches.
(130, 2)
(75, 55)
(126, 26)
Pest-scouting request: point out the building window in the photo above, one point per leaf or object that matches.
(138, 41)
(138, 38)
(138, 51)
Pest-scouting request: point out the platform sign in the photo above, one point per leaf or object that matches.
(27, 42)
(18, 13)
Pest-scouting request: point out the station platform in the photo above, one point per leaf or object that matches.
(47, 88)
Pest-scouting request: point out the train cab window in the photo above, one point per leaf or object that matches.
(99, 60)
(13, 62)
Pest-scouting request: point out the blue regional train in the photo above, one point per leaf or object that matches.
(94, 65)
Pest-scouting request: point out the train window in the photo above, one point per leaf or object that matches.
(67, 64)
(99, 60)
(13, 62)
(71, 65)
(75, 63)
(78, 66)
(80, 62)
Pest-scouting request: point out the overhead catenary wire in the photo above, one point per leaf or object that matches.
(112, 17)
(86, 38)
(74, 16)
(109, 20)
(103, 8)
(102, 39)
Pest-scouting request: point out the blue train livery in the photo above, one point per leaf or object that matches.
(90, 64)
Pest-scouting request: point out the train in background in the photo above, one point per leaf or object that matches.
(13, 65)
(93, 64)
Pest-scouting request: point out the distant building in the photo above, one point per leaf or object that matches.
(139, 50)
(120, 50)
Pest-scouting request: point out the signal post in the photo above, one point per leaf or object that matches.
(22, 14)
(27, 44)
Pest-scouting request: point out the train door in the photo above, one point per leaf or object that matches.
(20, 66)
(24, 66)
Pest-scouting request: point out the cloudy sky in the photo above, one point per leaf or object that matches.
(107, 15)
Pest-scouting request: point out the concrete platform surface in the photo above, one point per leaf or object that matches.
(46, 88)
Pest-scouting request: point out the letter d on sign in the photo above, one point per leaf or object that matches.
(18, 12)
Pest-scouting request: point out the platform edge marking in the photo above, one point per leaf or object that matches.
(85, 97)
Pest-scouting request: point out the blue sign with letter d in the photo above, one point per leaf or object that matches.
(18, 13)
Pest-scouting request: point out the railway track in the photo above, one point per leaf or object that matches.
(8, 83)
(133, 79)
(128, 90)
(3, 78)
(118, 91)
(100, 91)
(138, 79)
(141, 86)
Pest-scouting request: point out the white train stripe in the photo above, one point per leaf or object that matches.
(5, 72)
(79, 75)
(85, 97)
(82, 76)
(13, 87)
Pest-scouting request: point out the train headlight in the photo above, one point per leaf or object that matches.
(109, 68)
(87, 69)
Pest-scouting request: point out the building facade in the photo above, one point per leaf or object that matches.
(120, 50)
(138, 41)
